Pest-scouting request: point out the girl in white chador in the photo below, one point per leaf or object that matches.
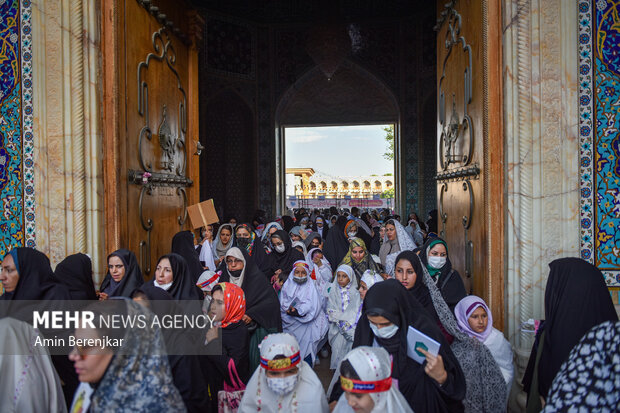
(283, 382)
(301, 306)
(366, 378)
(320, 271)
(343, 311)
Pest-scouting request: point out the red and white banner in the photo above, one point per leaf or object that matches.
(294, 203)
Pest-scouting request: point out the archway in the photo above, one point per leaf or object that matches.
(353, 96)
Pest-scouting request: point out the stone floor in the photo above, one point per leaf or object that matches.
(323, 372)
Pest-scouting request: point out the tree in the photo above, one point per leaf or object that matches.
(388, 193)
(389, 138)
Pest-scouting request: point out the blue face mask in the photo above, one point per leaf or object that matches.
(384, 332)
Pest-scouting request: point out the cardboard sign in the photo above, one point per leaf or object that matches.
(202, 214)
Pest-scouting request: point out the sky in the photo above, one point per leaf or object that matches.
(338, 150)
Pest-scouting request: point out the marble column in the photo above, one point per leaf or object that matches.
(542, 148)
(67, 129)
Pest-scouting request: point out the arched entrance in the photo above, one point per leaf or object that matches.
(353, 96)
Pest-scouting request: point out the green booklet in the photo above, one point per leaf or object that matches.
(417, 339)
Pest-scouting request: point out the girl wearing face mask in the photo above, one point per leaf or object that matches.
(343, 311)
(438, 385)
(284, 255)
(434, 256)
(354, 230)
(246, 238)
(365, 376)
(301, 306)
(283, 382)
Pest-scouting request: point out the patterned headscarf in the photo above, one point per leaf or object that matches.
(250, 246)
(234, 303)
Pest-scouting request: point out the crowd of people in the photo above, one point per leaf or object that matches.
(377, 300)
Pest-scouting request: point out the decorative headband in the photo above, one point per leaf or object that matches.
(361, 386)
(280, 364)
(210, 280)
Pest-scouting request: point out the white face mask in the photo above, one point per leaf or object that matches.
(163, 286)
(436, 262)
(282, 385)
(280, 248)
(352, 234)
(385, 332)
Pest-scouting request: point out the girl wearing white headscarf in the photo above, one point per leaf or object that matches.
(393, 243)
(366, 378)
(301, 307)
(320, 272)
(369, 278)
(29, 380)
(343, 311)
(283, 382)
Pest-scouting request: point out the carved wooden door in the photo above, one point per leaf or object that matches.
(155, 163)
(470, 144)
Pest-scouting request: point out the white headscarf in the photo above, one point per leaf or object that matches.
(235, 252)
(405, 243)
(206, 255)
(322, 274)
(343, 310)
(308, 395)
(29, 380)
(311, 327)
(373, 364)
(415, 232)
(302, 245)
(370, 278)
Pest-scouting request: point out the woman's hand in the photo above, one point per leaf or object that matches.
(434, 367)
(246, 319)
(385, 276)
(103, 296)
(292, 311)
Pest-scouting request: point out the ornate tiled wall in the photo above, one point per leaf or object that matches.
(16, 139)
(599, 107)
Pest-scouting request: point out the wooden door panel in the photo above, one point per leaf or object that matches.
(157, 68)
(467, 190)
(154, 69)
